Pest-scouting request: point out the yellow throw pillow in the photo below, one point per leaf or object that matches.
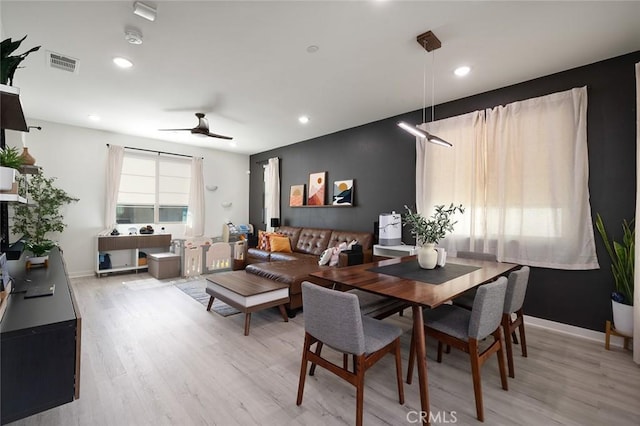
(279, 243)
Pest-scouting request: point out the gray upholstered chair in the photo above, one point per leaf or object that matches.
(464, 329)
(513, 301)
(465, 300)
(333, 318)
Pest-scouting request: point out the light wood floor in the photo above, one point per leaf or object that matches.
(154, 356)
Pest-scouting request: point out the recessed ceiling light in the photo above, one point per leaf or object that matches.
(462, 71)
(233, 144)
(122, 62)
(93, 117)
(312, 49)
(303, 119)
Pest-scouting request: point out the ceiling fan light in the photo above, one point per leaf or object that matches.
(413, 130)
(462, 71)
(122, 62)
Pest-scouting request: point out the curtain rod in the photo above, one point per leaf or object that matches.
(158, 152)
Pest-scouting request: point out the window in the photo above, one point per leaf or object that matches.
(153, 189)
(521, 172)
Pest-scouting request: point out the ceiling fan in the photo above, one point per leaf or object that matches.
(201, 129)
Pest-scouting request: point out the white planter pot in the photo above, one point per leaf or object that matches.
(427, 256)
(622, 318)
(7, 177)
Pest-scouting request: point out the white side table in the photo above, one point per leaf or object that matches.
(394, 251)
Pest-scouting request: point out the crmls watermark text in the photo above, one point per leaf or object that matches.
(442, 417)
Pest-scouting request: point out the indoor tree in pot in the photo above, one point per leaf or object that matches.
(428, 232)
(622, 266)
(40, 216)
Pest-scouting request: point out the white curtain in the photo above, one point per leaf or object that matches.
(272, 190)
(195, 212)
(636, 278)
(521, 172)
(452, 175)
(114, 170)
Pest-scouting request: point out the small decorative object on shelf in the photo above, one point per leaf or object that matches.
(429, 232)
(146, 230)
(27, 159)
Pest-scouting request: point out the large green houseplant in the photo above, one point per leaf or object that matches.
(8, 63)
(428, 232)
(622, 256)
(42, 215)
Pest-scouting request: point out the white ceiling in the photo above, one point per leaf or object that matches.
(245, 64)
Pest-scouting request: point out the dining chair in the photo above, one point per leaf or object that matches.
(465, 300)
(464, 329)
(333, 318)
(514, 299)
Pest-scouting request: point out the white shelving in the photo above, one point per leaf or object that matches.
(15, 198)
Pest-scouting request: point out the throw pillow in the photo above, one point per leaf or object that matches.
(279, 243)
(335, 255)
(325, 257)
(263, 240)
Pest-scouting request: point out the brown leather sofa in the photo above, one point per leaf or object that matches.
(307, 245)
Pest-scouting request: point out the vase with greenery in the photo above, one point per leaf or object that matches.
(42, 215)
(9, 64)
(428, 232)
(10, 161)
(622, 255)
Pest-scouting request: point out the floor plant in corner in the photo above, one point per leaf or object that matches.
(622, 256)
(41, 216)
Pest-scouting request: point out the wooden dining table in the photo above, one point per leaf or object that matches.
(427, 290)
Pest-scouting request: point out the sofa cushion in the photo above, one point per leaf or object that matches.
(313, 241)
(277, 257)
(258, 254)
(279, 243)
(365, 239)
(292, 232)
(291, 272)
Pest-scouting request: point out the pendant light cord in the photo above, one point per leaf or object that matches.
(424, 85)
(433, 84)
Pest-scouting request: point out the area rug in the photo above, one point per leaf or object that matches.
(195, 288)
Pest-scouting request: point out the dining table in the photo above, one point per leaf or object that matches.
(402, 279)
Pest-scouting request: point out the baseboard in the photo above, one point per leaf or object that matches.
(81, 274)
(572, 330)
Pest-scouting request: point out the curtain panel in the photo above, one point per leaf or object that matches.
(195, 212)
(521, 172)
(272, 191)
(115, 157)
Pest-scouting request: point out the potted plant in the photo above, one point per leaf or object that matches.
(10, 161)
(40, 216)
(428, 232)
(622, 267)
(9, 64)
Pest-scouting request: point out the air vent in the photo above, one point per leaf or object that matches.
(62, 62)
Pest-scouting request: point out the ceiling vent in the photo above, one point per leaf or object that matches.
(62, 62)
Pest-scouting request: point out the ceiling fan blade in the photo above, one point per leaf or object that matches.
(174, 130)
(213, 135)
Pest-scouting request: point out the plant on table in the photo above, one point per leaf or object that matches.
(432, 230)
(42, 215)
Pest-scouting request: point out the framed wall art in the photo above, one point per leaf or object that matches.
(317, 184)
(343, 192)
(296, 196)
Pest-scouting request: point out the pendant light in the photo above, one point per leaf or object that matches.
(429, 42)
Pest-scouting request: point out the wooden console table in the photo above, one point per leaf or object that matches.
(133, 244)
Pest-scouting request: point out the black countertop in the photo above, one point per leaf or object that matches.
(24, 313)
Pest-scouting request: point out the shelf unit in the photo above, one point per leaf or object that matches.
(394, 251)
(119, 245)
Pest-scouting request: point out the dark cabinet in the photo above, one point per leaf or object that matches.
(40, 343)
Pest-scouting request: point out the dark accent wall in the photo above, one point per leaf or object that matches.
(380, 157)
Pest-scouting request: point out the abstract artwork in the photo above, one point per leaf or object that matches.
(296, 196)
(317, 182)
(343, 192)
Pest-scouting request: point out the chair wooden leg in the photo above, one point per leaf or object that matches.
(312, 371)
(359, 370)
(345, 361)
(506, 325)
(503, 373)
(447, 350)
(474, 357)
(514, 337)
(412, 360)
(399, 371)
(523, 339)
(439, 359)
(303, 367)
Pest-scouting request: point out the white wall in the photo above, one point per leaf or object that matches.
(77, 157)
